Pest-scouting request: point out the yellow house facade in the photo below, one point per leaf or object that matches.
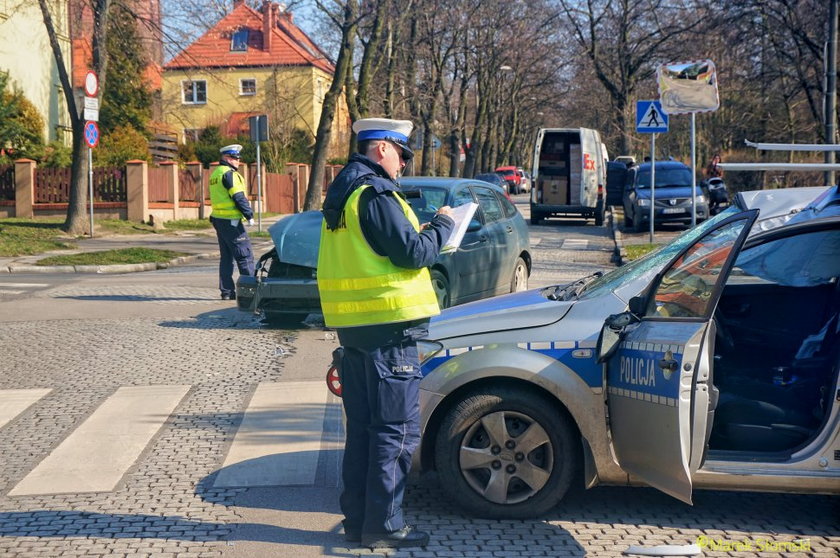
(26, 54)
(251, 62)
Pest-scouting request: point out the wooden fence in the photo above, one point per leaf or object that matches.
(7, 182)
(159, 178)
(187, 186)
(53, 185)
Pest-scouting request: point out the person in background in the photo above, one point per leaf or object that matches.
(376, 291)
(713, 170)
(230, 210)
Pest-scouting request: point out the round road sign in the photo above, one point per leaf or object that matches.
(91, 134)
(91, 84)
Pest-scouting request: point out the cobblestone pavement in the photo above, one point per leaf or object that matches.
(166, 505)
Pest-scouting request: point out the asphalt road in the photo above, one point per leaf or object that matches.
(95, 463)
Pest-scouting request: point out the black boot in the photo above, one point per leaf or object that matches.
(401, 538)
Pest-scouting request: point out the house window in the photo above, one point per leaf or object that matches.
(248, 86)
(239, 41)
(195, 92)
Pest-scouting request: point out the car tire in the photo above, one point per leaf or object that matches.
(536, 218)
(599, 214)
(519, 281)
(638, 223)
(550, 457)
(440, 284)
(628, 221)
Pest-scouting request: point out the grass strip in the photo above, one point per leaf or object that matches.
(111, 257)
(23, 237)
(635, 251)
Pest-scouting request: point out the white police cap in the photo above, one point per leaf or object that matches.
(233, 150)
(396, 131)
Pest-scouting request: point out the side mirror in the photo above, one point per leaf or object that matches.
(612, 333)
(475, 225)
(638, 305)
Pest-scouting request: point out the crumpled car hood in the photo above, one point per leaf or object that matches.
(297, 238)
(507, 312)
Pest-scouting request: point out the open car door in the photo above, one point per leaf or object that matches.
(660, 394)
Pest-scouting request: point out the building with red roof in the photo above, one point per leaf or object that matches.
(251, 62)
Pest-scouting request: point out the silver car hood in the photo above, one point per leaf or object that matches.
(527, 309)
(297, 238)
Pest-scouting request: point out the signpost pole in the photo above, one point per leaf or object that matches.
(693, 171)
(652, 181)
(259, 189)
(90, 187)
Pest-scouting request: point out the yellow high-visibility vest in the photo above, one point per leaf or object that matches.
(358, 286)
(222, 198)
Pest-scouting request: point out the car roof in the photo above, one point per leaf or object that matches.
(508, 168)
(411, 182)
(663, 165)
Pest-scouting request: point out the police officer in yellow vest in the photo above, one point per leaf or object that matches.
(376, 290)
(230, 210)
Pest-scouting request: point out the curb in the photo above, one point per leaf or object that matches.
(619, 252)
(103, 269)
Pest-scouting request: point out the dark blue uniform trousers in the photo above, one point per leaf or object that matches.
(380, 390)
(234, 245)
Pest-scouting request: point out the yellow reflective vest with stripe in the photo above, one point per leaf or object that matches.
(358, 286)
(221, 198)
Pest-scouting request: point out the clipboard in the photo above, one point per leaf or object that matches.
(462, 215)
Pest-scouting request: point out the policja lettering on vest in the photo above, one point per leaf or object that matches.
(230, 209)
(376, 290)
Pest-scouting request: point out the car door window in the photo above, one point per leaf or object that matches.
(490, 206)
(508, 208)
(461, 197)
(686, 289)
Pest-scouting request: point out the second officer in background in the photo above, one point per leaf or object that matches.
(230, 210)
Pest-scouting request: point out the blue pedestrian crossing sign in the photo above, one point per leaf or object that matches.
(649, 117)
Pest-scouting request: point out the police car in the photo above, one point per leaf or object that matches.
(709, 363)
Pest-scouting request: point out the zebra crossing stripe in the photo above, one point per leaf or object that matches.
(15, 401)
(279, 440)
(95, 456)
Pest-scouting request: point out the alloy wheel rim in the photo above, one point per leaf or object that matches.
(506, 457)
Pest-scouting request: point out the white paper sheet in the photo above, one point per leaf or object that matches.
(462, 215)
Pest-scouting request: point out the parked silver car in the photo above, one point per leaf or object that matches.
(711, 362)
(494, 257)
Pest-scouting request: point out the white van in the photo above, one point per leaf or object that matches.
(569, 174)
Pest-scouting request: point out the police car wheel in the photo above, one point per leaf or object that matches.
(506, 453)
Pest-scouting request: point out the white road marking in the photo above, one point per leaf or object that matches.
(24, 285)
(10, 292)
(575, 244)
(279, 440)
(98, 453)
(15, 401)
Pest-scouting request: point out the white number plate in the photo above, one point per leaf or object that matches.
(673, 210)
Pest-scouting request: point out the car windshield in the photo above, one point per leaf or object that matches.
(653, 260)
(665, 177)
(425, 201)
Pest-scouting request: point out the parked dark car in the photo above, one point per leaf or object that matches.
(493, 178)
(616, 176)
(493, 258)
(672, 195)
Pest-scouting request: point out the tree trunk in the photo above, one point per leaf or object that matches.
(322, 137)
